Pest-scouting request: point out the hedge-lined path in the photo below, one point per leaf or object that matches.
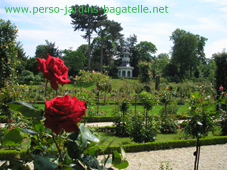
(212, 157)
(101, 124)
(95, 124)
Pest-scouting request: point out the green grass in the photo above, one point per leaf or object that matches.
(108, 108)
(160, 137)
(116, 84)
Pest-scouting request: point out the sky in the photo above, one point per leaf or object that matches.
(206, 18)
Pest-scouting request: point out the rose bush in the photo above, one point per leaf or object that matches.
(53, 69)
(64, 113)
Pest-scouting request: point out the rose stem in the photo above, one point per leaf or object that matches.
(57, 147)
(46, 88)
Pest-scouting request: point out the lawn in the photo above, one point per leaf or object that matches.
(116, 84)
(160, 137)
(108, 108)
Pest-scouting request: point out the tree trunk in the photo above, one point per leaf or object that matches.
(89, 50)
(135, 102)
(165, 111)
(101, 52)
(98, 104)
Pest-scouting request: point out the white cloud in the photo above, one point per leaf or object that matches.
(62, 38)
(223, 9)
(215, 47)
(215, 2)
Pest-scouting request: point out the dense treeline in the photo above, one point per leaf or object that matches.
(104, 52)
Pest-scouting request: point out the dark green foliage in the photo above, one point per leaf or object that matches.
(74, 60)
(221, 71)
(87, 21)
(139, 147)
(43, 50)
(8, 34)
(141, 132)
(120, 118)
(145, 74)
(224, 127)
(187, 52)
(28, 76)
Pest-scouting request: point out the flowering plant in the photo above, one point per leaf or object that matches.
(54, 70)
(57, 141)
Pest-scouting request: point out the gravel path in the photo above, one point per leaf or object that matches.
(212, 157)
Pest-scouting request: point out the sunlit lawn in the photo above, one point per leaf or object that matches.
(160, 137)
(155, 110)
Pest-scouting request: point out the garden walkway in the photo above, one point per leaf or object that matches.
(212, 157)
(100, 124)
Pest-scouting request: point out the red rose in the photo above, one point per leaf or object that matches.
(64, 113)
(53, 69)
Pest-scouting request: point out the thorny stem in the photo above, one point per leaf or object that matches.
(58, 148)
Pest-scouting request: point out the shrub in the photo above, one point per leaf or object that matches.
(221, 71)
(168, 125)
(170, 109)
(27, 76)
(120, 120)
(139, 132)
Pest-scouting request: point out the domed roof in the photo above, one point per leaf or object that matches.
(125, 64)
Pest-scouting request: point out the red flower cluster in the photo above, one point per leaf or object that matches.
(64, 113)
(53, 69)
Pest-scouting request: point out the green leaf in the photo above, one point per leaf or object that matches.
(87, 134)
(38, 126)
(26, 109)
(110, 161)
(122, 165)
(73, 150)
(123, 153)
(102, 141)
(26, 144)
(91, 161)
(104, 148)
(30, 131)
(42, 163)
(83, 142)
(116, 158)
(74, 135)
(13, 137)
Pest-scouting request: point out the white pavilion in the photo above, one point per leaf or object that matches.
(125, 70)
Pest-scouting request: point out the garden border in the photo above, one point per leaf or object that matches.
(138, 147)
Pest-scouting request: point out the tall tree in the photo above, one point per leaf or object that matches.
(74, 60)
(49, 47)
(86, 18)
(21, 55)
(84, 50)
(108, 28)
(186, 50)
(145, 50)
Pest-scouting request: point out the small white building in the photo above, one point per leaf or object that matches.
(125, 70)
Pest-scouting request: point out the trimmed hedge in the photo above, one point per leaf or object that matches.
(3, 119)
(138, 147)
(10, 154)
(98, 119)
